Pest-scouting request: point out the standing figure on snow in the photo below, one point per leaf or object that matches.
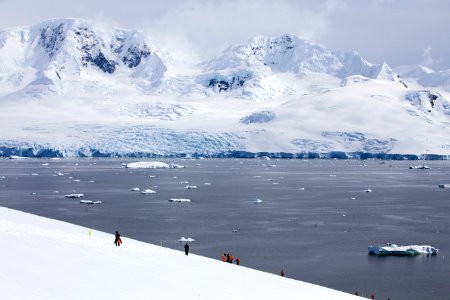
(282, 273)
(186, 249)
(117, 240)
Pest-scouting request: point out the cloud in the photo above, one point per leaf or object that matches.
(428, 59)
(208, 27)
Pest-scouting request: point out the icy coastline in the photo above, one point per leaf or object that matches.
(8, 152)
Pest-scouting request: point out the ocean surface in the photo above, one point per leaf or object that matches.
(315, 220)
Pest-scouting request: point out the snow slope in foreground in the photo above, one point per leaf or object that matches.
(48, 259)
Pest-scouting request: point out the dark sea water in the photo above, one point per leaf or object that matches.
(319, 234)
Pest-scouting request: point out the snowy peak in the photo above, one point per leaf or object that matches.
(91, 46)
(59, 51)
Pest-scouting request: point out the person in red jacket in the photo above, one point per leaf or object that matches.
(238, 260)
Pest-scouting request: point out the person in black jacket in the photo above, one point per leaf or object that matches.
(117, 240)
(186, 249)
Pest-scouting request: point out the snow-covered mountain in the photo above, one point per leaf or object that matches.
(70, 87)
(61, 56)
(425, 76)
(245, 67)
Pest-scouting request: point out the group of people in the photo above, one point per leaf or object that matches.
(227, 257)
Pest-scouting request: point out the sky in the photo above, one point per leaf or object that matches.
(399, 32)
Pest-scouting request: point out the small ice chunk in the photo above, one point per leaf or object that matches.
(234, 230)
(44, 164)
(148, 191)
(444, 185)
(301, 189)
(183, 182)
(91, 181)
(179, 200)
(75, 180)
(34, 174)
(59, 173)
(368, 191)
(135, 189)
(90, 202)
(257, 201)
(191, 187)
(183, 239)
(74, 195)
(207, 183)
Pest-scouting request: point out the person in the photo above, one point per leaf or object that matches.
(228, 257)
(224, 257)
(117, 240)
(282, 273)
(372, 296)
(186, 249)
(238, 260)
(231, 259)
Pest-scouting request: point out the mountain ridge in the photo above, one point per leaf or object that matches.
(70, 87)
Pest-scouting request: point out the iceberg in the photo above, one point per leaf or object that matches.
(152, 165)
(74, 195)
(179, 200)
(396, 250)
(147, 165)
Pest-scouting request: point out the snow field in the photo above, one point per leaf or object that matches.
(48, 259)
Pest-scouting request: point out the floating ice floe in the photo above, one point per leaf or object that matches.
(75, 180)
(207, 183)
(301, 189)
(368, 191)
(148, 191)
(2, 177)
(90, 202)
(191, 187)
(91, 181)
(44, 164)
(18, 157)
(183, 182)
(444, 185)
(59, 173)
(135, 189)
(179, 200)
(34, 174)
(257, 201)
(152, 165)
(74, 195)
(410, 250)
(420, 167)
(183, 239)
